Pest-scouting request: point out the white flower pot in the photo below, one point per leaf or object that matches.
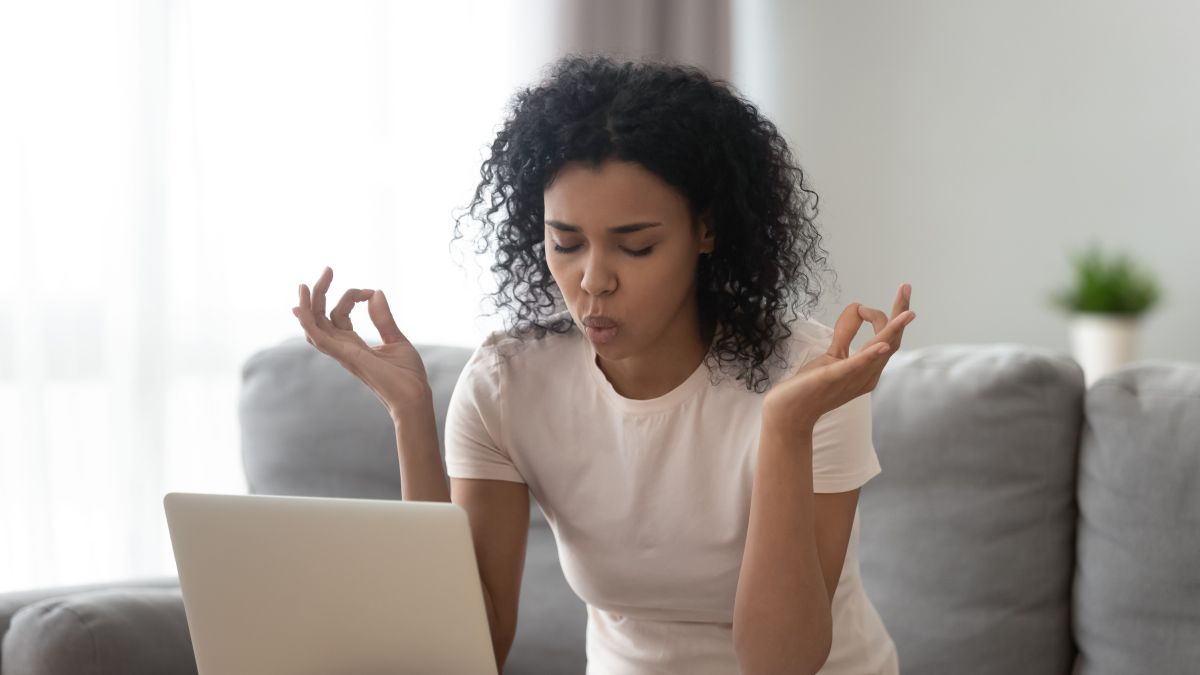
(1102, 343)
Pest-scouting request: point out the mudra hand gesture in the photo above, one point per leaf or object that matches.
(837, 377)
(393, 370)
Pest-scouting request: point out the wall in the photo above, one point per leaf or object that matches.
(966, 148)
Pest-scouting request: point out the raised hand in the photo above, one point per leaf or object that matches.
(393, 370)
(837, 377)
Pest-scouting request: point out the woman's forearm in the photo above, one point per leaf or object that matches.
(423, 478)
(422, 475)
(782, 616)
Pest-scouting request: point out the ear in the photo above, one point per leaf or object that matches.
(708, 235)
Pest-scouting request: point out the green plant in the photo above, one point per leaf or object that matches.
(1112, 285)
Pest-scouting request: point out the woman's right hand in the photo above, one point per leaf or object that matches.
(393, 370)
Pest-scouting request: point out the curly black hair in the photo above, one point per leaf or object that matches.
(701, 137)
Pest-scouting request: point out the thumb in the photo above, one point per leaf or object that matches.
(381, 316)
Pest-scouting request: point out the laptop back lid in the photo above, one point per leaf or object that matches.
(277, 585)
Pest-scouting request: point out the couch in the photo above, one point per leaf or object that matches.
(1022, 523)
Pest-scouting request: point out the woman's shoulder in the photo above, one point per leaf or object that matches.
(806, 338)
(810, 338)
(808, 332)
(524, 345)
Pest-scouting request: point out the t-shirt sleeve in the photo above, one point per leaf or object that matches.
(843, 455)
(475, 438)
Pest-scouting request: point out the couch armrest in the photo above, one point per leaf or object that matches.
(133, 630)
(12, 602)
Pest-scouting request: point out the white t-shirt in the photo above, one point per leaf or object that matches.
(649, 500)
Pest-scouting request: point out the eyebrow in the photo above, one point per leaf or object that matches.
(620, 229)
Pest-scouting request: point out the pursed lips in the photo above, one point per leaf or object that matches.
(599, 322)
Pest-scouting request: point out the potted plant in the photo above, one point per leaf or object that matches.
(1109, 296)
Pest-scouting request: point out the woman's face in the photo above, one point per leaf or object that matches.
(619, 243)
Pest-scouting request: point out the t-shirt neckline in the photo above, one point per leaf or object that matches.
(671, 399)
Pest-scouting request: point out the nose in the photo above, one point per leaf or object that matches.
(598, 279)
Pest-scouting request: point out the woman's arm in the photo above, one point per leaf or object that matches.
(497, 510)
(783, 607)
(422, 477)
(782, 612)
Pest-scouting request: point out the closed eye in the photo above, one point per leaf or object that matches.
(637, 254)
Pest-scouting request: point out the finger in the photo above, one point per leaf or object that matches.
(894, 330)
(320, 337)
(381, 315)
(863, 358)
(319, 321)
(318, 292)
(316, 328)
(340, 316)
(903, 298)
(844, 331)
(308, 319)
(893, 333)
(855, 371)
(877, 372)
(877, 318)
(874, 364)
(312, 332)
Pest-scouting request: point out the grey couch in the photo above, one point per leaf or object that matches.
(1021, 524)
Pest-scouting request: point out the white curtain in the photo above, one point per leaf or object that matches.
(170, 172)
(696, 32)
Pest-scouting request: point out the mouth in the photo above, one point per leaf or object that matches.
(601, 335)
(600, 329)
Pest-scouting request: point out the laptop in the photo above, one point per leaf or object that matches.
(278, 585)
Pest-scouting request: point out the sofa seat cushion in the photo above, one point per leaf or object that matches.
(131, 631)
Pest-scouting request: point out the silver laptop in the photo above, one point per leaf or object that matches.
(323, 586)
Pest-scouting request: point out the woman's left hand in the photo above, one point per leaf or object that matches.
(836, 377)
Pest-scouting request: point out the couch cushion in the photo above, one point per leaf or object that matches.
(13, 601)
(967, 537)
(1137, 584)
(131, 631)
(311, 428)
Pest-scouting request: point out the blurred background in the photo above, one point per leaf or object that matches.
(172, 170)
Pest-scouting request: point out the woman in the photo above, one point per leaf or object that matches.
(652, 234)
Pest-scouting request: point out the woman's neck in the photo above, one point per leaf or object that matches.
(664, 367)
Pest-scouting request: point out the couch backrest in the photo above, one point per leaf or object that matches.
(967, 537)
(309, 427)
(1137, 575)
(981, 546)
